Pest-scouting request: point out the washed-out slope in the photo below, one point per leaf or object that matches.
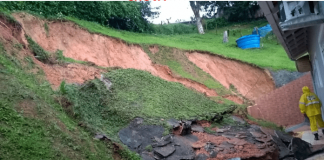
(105, 51)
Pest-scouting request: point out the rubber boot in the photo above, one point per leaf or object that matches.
(316, 136)
(323, 131)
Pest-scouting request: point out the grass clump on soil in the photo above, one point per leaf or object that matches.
(137, 93)
(46, 29)
(265, 123)
(179, 64)
(271, 55)
(39, 52)
(32, 124)
(149, 148)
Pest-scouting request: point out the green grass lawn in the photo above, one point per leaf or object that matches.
(271, 55)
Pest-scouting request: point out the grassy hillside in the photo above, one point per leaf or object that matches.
(133, 94)
(32, 124)
(271, 55)
(39, 123)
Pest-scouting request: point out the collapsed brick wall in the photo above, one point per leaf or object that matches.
(281, 106)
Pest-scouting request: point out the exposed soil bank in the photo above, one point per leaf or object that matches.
(250, 81)
(104, 51)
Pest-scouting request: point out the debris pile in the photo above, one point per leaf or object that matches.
(234, 142)
(190, 142)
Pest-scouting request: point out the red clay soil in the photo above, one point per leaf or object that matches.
(71, 73)
(204, 123)
(55, 74)
(104, 51)
(242, 148)
(250, 81)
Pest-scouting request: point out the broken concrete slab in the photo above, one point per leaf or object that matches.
(236, 141)
(198, 145)
(130, 138)
(173, 122)
(286, 138)
(137, 136)
(197, 128)
(147, 156)
(300, 148)
(257, 134)
(238, 119)
(283, 150)
(183, 149)
(164, 151)
(201, 157)
(267, 131)
(162, 141)
(226, 145)
(186, 128)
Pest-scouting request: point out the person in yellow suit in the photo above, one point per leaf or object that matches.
(310, 106)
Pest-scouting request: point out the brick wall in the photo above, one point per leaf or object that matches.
(281, 106)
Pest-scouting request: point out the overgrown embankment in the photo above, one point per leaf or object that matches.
(61, 123)
(32, 124)
(105, 51)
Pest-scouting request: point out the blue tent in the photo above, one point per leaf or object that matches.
(263, 31)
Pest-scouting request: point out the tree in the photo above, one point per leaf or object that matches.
(147, 10)
(195, 6)
(236, 10)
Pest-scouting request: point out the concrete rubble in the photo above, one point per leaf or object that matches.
(189, 141)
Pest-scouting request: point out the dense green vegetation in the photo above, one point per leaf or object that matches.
(129, 16)
(137, 93)
(32, 124)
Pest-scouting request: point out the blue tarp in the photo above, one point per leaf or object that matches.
(263, 30)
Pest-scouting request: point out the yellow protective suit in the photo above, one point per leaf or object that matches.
(310, 105)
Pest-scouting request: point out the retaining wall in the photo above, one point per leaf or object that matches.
(281, 106)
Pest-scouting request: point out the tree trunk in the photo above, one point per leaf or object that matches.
(199, 26)
(195, 6)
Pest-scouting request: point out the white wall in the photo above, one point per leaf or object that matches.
(316, 52)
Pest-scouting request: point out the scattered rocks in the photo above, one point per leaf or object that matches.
(209, 147)
(241, 141)
(106, 81)
(100, 136)
(212, 154)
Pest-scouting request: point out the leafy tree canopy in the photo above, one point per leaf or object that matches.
(131, 16)
(237, 10)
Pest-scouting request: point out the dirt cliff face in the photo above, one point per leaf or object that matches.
(249, 81)
(79, 44)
